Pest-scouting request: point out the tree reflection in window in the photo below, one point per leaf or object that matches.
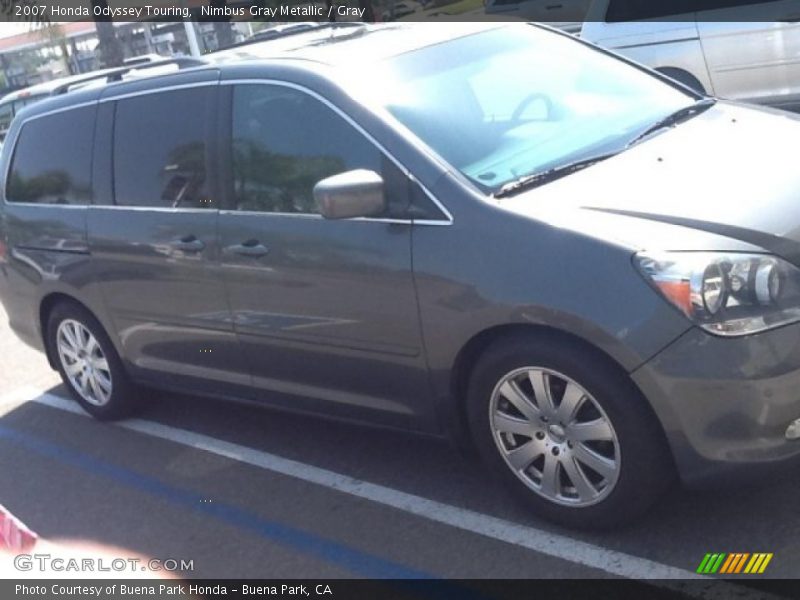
(284, 142)
(52, 159)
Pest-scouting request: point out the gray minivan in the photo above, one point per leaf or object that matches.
(497, 234)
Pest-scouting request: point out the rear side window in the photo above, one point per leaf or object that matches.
(160, 149)
(53, 159)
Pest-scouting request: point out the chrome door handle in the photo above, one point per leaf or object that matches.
(188, 243)
(251, 248)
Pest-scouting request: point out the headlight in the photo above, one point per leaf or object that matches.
(726, 293)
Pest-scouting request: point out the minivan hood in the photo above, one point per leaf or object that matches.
(730, 172)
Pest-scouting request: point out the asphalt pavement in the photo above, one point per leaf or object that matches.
(244, 492)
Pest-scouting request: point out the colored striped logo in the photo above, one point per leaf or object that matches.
(735, 563)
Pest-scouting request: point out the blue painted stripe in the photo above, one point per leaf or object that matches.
(297, 539)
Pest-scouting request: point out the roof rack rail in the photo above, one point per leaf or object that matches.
(183, 62)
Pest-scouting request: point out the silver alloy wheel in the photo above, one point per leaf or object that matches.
(554, 436)
(84, 362)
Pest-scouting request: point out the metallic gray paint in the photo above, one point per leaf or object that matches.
(725, 403)
(372, 320)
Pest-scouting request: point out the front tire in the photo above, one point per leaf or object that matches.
(683, 77)
(568, 431)
(88, 363)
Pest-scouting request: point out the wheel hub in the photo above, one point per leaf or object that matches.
(557, 433)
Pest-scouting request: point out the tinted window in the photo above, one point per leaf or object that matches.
(701, 5)
(285, 141)
(636, 10)
(52, 159)
(160, 149)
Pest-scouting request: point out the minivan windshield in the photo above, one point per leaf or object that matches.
(508, 103)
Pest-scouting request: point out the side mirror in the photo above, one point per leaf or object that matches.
(351, 194)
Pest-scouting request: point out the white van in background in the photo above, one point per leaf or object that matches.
(738, 49)
(564, 14)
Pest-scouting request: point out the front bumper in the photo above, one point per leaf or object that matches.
(725, 403)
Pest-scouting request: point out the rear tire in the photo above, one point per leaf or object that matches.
(592, 456)
(88, 363)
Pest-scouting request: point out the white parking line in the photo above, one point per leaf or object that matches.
(550, 544)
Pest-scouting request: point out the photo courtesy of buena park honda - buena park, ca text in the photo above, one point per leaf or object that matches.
(399, 299)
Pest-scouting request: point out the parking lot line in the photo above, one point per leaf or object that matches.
(555, 545)
(354, 560)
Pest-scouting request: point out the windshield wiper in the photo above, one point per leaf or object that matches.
(542, 177)
(673, 119)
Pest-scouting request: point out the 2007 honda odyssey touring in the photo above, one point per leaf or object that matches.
(501, 235)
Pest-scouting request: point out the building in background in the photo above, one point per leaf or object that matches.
(70, 48)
